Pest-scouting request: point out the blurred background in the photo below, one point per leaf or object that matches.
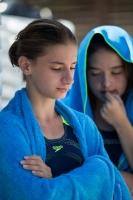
(78, 15)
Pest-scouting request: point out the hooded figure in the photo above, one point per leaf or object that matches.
(103, 89)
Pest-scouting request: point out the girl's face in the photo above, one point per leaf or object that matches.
(106, 74)
(51, 75)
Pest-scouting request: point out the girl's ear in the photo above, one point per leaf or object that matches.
(24, 65)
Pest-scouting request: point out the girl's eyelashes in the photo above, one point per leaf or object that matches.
(116, 73)
(58, 69)
(113, 73)
(99, 73)
(95, 73)
(73, 68)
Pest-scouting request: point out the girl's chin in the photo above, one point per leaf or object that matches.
(100, 101)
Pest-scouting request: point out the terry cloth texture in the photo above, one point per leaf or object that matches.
(21, 135)
(77, 97)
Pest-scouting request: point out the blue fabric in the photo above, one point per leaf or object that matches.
(77, 97)
(21, 135)
(123, 163)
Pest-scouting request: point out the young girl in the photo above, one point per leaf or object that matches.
(47, 150)
(103, 90)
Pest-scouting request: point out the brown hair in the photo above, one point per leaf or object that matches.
(98, 42)
(36, 37)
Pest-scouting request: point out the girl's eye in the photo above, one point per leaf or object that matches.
(73, 68)
(56, 69)
(116, 73)
(95, 74)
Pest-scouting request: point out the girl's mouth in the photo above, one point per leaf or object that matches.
(111, 92)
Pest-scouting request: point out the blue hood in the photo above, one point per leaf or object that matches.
(119, 40)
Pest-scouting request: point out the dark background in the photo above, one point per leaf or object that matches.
(87, 14)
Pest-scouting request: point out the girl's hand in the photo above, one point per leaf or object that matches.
(113, 110)
(37, 166)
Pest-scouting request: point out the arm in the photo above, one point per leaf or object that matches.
(128, 177)
(114, 113)
(125, 133)
(14, 180)
(36, 165)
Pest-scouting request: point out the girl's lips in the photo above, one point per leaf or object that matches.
(111, 92)
(63, 90)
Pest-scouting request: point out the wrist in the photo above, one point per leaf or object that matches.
(122, 125)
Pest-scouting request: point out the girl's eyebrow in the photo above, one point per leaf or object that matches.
(61, 63)
(115, 67)
(92, 67)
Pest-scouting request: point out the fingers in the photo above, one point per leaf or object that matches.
(118, 98)
(32, 157)
(109, 96)
(103, 110)
(32, 161)
(37, 166)
(113, 96)
(41, 174)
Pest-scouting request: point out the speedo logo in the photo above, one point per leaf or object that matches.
(57, 148)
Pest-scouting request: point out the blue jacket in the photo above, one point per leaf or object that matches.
(21, 135)
(77, 97)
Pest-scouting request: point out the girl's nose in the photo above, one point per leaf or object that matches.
(106, 81)
(68, 77)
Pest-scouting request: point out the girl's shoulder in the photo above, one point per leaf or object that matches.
(10, 122)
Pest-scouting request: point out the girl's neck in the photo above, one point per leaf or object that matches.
(50, 122)
(44, 108)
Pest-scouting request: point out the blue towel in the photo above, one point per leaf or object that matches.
(21, 135)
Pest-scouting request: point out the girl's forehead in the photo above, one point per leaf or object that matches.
(105, 60)
(103, 55)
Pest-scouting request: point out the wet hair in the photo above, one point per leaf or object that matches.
(34, 40)
(96, 43)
